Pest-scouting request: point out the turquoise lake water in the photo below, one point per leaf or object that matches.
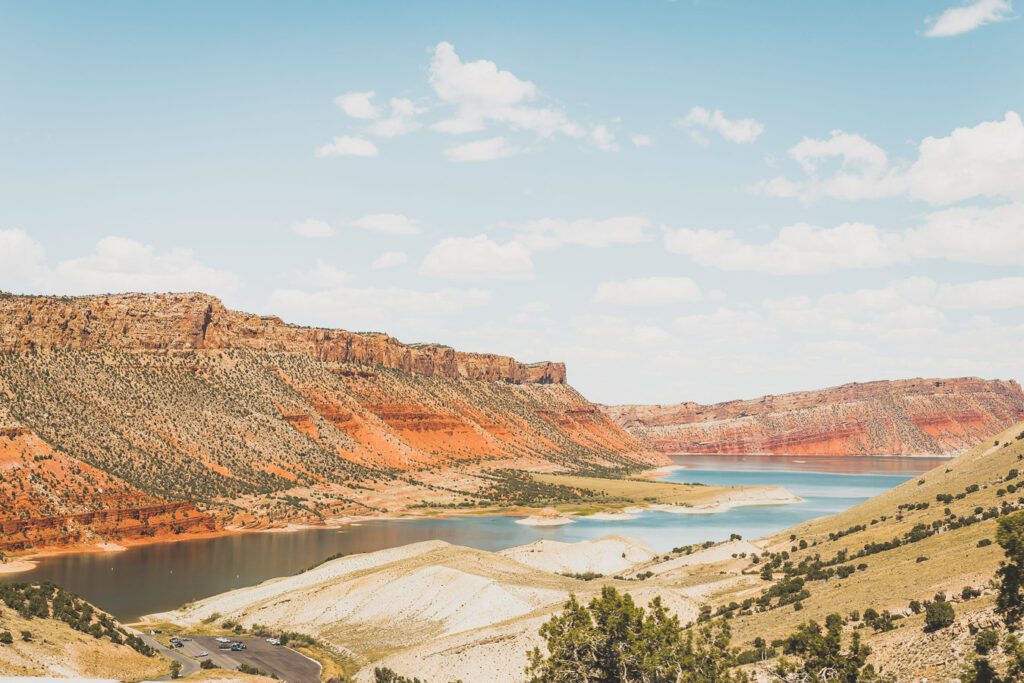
(152, 578)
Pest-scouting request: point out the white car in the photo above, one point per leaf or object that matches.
(273, 641)
(204, 653)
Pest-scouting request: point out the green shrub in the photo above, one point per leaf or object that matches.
(986, 641)
(938, 615)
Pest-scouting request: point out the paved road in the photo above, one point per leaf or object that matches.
(288, 664)
(188, 665)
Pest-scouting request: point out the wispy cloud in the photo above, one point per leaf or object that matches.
(967, 17)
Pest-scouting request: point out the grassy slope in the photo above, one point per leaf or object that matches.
(895, 577)
(58, 650)
(640, 492)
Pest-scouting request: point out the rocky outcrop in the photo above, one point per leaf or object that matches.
(903, 417)
(120, 524)
(193, 322)
(116, 404)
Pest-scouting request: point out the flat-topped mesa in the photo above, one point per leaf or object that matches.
(908, 417)
(195, 322)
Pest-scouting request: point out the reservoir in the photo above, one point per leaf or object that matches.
(157, 577)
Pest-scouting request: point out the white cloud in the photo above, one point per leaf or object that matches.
(641, 140)
(990, 236)
(472, 97)
(482, 150)
(116, 265)
(311, 227)
(390, 259)
(863, 170)
(356, 308)
(734, 130)
(987, 235)
(648, 291)
(358, 105)
(477, 258)
(797, 249)
(483, 93)
(969, 16)
(998, 293)
(22, 262)
(347, 146)
(986, 160)
(615, 331)
(478, 84)
(388, 223)
(322, 276)
(910, 327)
(124, 265)
(547, 233)
(402, 119)
(603, 139)
(735, 327)
(853, 150)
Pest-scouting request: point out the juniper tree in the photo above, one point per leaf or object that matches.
(612, 640)
(1010, 536)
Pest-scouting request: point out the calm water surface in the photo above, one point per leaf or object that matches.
(152, 578)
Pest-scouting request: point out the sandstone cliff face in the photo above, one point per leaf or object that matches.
(904, 417)
(192, 322)
(118, 413)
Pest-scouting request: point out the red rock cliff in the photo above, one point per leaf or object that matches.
(191, 321)
(903, 417)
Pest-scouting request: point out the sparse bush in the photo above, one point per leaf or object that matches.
(986, 641)
(938, 615)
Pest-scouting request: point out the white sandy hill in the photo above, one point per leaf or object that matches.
(444, 612)
(608, 555)
(498, 654)
(712, 555)
(388, 599)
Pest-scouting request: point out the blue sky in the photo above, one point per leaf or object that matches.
(682, 200)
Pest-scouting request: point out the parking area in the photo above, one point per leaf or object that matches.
(285, 663)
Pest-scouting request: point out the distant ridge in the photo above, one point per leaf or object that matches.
(899, 417)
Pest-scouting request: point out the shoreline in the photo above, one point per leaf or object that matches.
(813, 456)
(19, 563)
(23, 563)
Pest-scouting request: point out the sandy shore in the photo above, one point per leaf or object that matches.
(611, 516)
(111, 547)
(15, 566)
(534, 520)
(659, 472)
(751, 499)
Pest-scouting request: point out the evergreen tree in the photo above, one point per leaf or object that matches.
(612, 640)
(1010, 535)
(821, 654)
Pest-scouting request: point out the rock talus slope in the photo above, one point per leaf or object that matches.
(902, 417)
